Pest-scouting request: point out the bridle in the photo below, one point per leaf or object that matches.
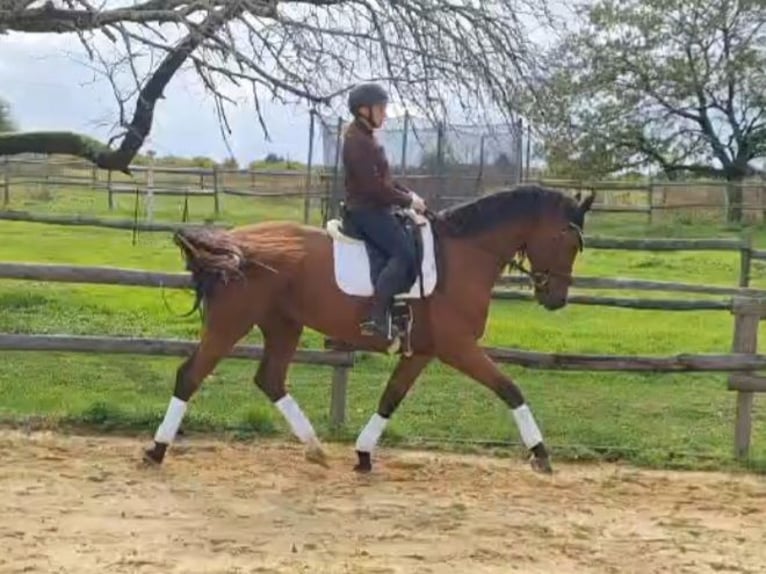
(540, 279)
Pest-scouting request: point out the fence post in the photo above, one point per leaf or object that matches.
(109, 194)
(650, 198)
(747, 315)
(6, 182)
(338, 396)
(216, 190)
(745, 259)
(150, 187)
(46, 187)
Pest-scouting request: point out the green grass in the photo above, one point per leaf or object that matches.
(655, 420)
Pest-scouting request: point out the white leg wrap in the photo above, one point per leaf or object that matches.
(299, 423)
(530, 434)
(167, 430)
(370, 435)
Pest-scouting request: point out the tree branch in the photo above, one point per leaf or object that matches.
(433, 52)
(48, 18)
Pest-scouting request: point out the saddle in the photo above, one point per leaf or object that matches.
(358, 264)
(377, 258)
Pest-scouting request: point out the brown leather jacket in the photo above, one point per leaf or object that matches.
(367, 173)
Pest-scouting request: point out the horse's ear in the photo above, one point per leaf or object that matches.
(586, 203)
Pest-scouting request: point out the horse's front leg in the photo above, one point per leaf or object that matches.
(472, 361)
(403, 377)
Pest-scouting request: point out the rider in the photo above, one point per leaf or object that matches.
(371, 196)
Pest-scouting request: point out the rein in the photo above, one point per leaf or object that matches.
(539, 279)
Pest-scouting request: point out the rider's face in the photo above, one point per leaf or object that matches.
(378, 115)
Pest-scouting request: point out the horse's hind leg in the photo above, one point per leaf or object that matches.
(280, 340)
(223, 328)
(403, 377)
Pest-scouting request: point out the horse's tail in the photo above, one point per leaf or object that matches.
(212, 256)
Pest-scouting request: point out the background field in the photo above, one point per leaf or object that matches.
(658, 420)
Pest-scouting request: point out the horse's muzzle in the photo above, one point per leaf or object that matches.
(550, 301)
(552, 304)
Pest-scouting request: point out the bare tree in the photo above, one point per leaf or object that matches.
(676, 84)
(433, 52)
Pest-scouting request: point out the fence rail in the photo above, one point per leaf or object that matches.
(623, 302)
(94, 275)
(617, 283)
(686, 362)
(156, 347)
(141, 278)
(81, 220)
(314, 182)
(742, 245)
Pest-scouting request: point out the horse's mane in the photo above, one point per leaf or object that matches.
(526, 201)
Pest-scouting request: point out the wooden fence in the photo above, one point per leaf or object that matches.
(152, 181)
(316, 183)
(743, 362)
(340, 361)
(744, 248)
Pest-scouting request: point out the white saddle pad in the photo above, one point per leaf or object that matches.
(352, 263)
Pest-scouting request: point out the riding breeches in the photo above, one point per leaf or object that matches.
(381, 229)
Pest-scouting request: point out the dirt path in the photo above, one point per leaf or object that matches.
(83, 505)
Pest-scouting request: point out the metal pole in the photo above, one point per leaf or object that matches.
(335, 199)
(404, 142)
(519, 149)
(440, 164)
(309, 163)
(529, 148)
(480, 176)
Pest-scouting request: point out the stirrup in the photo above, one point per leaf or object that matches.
(371, 327)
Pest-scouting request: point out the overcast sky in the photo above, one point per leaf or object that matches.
(49, 87)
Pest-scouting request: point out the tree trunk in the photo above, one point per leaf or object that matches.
(735, 198)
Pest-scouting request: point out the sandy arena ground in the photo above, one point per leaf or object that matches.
(84, 505)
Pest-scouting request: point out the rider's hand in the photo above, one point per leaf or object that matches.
(417, 203)
(401, 187)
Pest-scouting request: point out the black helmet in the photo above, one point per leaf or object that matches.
(366, 95)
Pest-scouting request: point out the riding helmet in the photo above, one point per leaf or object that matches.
(366, 95)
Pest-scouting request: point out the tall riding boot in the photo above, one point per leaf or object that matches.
(388, 283)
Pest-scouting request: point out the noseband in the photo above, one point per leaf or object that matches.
(540, 279)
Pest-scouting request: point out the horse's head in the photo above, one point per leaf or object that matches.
(552, 247)
(539, 223)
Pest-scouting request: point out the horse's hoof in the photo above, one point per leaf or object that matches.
(154, 456)
(365, 462)
(541, 464)
(314, 453)
(150, 459)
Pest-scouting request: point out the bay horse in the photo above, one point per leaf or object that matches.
(283, 276)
